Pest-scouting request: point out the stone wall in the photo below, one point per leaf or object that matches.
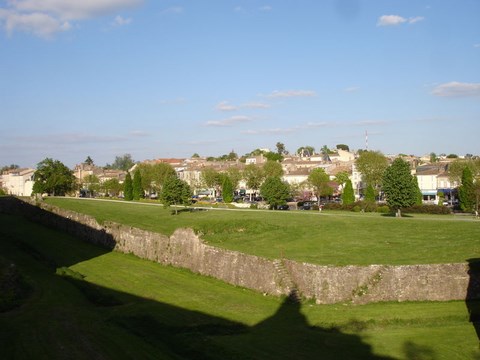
(325, 284)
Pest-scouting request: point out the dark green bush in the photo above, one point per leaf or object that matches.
(383, 209)
(427, 209)
(14, 289)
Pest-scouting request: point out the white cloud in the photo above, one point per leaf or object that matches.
(229, 121)
(457, 89)
(44, 18)
(225, 106)
(415, 19)
(370, 122)
(120, 21)
(173, 10)
(256, 105)
(476, 45)
(265, 8)
(390, 20)
(352, 89)
(274, 131)
(41, 25)
(292, 93)
(394, 20)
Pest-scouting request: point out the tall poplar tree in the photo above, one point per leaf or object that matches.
(466, 191)
(137, 192)
(348, 197)
(128, 187)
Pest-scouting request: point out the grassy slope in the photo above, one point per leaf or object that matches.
(326, 238)
(171, 313)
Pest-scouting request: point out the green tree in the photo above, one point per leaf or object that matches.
(53, 177)
(195, 156)
(318, 180)
(466, 191)
(372, 165)
(398, 185)
(175, 192)
(88, 161)
(281, 149)
(235, 176)
(128, 187)
(111, 187)
(342, 177)
(348, 197)
(253, 176)
(456, 167)
(227, 189)
(305, 151)
(370, 194)
(433, 158)
(418, 192)
(343, 147)
(124, 163)
(275, 191)
(272, 168)
(211, 178)
(91, 183)
(137, 192)
(271, 156)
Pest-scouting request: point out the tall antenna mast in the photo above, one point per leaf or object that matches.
(366, 140)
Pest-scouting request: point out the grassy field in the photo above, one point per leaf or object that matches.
(327, 238)
(157, 312)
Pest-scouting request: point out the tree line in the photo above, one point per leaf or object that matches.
(393, 182)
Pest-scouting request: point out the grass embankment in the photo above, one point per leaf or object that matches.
(165, 313)
(327, 238)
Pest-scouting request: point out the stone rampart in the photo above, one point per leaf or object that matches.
(325, 284)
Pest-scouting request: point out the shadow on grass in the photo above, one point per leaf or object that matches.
(473, 294)
(148, 328)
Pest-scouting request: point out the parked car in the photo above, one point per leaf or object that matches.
(283, 207)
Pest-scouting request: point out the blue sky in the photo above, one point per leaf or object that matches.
(103, 78)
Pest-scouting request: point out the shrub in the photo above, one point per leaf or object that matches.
(383, 209)
(427, 209)
(14, 289)
(357, 208)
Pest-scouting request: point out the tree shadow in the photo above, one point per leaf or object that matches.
(148, 328)
(473, 294)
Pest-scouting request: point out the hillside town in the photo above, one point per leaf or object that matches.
(432, 174)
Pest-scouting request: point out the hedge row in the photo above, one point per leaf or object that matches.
(365, 206)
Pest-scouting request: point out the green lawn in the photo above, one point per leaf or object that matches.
(327, 238)
(167, 313)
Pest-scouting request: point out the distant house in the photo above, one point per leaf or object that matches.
(18, 182)
(432, 179)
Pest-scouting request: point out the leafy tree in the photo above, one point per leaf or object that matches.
(227, 189)
(348, 197)
(137, 192)
(272, 168)
(452, 156)
(306, 150)
(342, 177)
(455, 168)
(154, 175)
(253, 176)
(325, 151)
(398, 185)
(235, 176)
(370, 194)
(10, 167)
(232, 156)
(53, 177)
(128, 187)
(319, 180)
(91, 183)
(195, 156)
(175, 192)
(343, 147)
(111, 187)
(271, 156)
(124, 163)
(211, 178)
(281, 148)
(466, 191)
(418, 192)
(88, 161)
(372, 165)
(275, 191)
(433, 158)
